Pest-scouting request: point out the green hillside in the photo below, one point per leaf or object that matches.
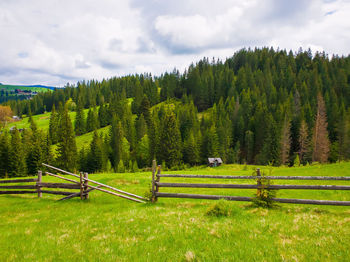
(29, 88)
(43, 121)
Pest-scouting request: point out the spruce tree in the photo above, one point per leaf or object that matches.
(54, 126)
(4, 153)
(117, 135)
(304, 143)
(96, 156)
(285, 141)
(321, 144)
(170, 140)
(190, 151)
(17, 164)
(79, 126)
(67, 149)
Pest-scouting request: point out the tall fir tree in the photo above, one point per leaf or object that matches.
(67, 148)
(17, 164)
(170, 140)
(285, 141)
(54, 126)
(79, 125)
(320, 140)
(4, 153)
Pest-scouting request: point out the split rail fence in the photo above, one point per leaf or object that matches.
(82, 185)
(37, 186)
(156, 185)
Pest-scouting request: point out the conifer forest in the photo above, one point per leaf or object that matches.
(261, 106)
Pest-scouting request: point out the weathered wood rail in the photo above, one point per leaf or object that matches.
(40, 187)
(83, 185)
(156, 185)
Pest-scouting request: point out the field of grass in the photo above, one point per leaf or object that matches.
(107, 228)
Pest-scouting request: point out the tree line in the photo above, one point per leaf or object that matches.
(258, 107)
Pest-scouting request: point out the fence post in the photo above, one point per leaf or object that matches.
(81, 186)
(154, 166)
(40, 174)
(157, 180)
(86, 193)
(258, 174)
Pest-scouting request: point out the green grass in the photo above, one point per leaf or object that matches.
(41, 120)
(107, 228)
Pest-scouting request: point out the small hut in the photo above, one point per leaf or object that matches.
(214, 162)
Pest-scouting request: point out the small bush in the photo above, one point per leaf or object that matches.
(264, 196)
(219, 209)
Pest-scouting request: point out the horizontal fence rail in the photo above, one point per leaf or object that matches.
(341, 178)
(192, 185)
(156, 185)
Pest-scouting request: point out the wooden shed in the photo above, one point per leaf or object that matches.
(213, 162)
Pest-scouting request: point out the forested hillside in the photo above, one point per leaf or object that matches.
(258, 107)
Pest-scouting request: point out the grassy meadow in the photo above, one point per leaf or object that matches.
(108, 228)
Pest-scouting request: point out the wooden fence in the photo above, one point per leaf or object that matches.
(82, 185)
(37, 186)
(156, 185)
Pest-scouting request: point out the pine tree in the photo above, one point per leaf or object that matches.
(91, 121)
(143, 151)
(4, 154)
(170, 140)
(96, 157)
(35, 156)
(17, 165)
(117, 135)
(67, 149)
(79, 126)
(54, 126)
(285, 141)
(321, 144)
(304, 143)
(190, 151)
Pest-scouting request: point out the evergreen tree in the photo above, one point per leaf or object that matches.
(67, 149)
(4, 154)
(35, 156)
(320, 135)
(17, 164)
(116, 134)
(79, 126)
(54, 126)
(96, 157)
(191, 151)
(304, 143)
(285, 141)
(170, 140)
(91, 121)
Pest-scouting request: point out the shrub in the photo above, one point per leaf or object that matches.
(219, 209)
(264, 196)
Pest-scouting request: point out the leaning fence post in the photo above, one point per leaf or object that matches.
(38, 183)
(154, 166)
(157, 180)
(86, 193)
(81, 186)
(258, 174)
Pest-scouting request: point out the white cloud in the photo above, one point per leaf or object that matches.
(53, 42)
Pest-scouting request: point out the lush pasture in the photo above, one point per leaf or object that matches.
(107, 228)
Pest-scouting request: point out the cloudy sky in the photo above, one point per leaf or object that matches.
(53, 42)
